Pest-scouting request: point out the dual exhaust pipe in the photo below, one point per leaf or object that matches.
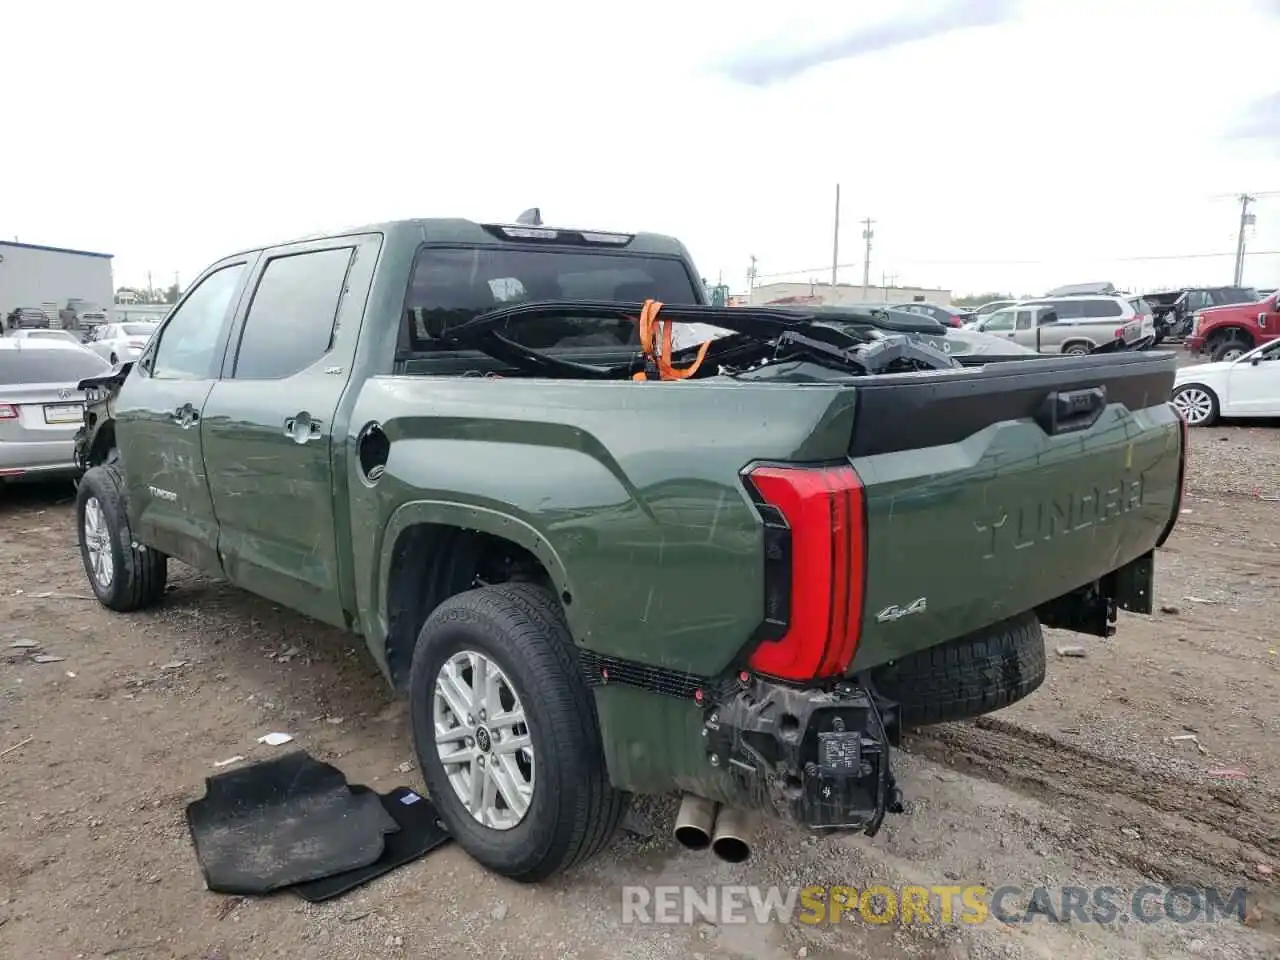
(703, 823)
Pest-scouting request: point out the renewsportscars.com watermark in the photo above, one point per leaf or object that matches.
(939, 904)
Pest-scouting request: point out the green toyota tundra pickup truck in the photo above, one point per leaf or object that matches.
(600, 564)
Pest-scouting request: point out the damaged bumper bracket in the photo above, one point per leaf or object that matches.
(816, 758)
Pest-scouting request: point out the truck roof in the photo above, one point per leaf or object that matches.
(474, 232)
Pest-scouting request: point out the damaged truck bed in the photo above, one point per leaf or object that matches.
(602, 557)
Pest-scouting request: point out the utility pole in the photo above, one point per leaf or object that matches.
(835, 241)
(867, 234)
(751, 278)
(1246, 218)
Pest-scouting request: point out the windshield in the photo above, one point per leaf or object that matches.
(451, 286)
(45, 365)
(138, 329)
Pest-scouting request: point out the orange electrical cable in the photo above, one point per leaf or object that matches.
(649, 322)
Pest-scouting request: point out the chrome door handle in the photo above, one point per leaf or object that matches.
(185, 416)
(300, 427)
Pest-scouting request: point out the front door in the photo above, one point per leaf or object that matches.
(999, 324)
(1253, 389)
(157, 419)
(268, 424)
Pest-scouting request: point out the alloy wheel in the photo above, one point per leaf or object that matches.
(483, 740)
(1194, 405)
(97, 541)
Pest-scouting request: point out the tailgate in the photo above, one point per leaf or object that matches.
(992, 494)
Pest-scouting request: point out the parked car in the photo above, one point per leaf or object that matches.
(1073, 324)
(1175, 309)
(41, 406)
(1228, 332)
(965, 345)
(1248, 386)
(945, 315)
(26, 318)
(1145, 313)
(991, 306)
(64, 335)
(599, 567)
(120, 342)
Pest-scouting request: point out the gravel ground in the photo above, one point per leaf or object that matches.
(1081, 784)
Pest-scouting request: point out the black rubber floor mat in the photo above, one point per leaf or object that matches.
(282, 822)
(420, 832)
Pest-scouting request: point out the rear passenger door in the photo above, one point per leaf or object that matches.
(269, 423)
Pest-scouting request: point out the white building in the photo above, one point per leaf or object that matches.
(843, 294)
(47, 277)
(139, 312)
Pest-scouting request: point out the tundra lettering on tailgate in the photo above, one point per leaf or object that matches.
(1024, 525)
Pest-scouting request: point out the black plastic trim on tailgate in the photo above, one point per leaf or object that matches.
(910, 411)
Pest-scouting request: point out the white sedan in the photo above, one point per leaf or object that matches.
(120, 342)
(1248, 386)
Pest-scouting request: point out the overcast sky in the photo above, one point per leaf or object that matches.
(998, 145)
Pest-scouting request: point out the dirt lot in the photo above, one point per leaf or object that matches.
(1080, 785)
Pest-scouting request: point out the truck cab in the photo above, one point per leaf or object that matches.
(1228, 332)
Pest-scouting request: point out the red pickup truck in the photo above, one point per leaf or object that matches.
(1227, 332)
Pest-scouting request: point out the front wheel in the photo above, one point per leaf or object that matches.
(506, 733)
(1196, 405)
(124, 575)
(1230, 350)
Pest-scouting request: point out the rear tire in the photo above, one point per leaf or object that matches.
(1076, 350)
(969, 676)
(571, 809)
(125, 576)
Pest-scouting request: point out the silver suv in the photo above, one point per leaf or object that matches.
(1082, 323)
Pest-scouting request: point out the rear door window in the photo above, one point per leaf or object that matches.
(1025, 318)
(1099, 309)
(291, 318)
(1067, 308)
(50, 366)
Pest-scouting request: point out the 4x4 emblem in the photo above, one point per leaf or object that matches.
(895, 612)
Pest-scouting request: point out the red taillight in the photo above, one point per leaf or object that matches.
(825, 526)
(8, 411)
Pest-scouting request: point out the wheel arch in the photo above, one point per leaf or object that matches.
(1081, 341)
(432, 551)
(1201, 385)
(1232, 331)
